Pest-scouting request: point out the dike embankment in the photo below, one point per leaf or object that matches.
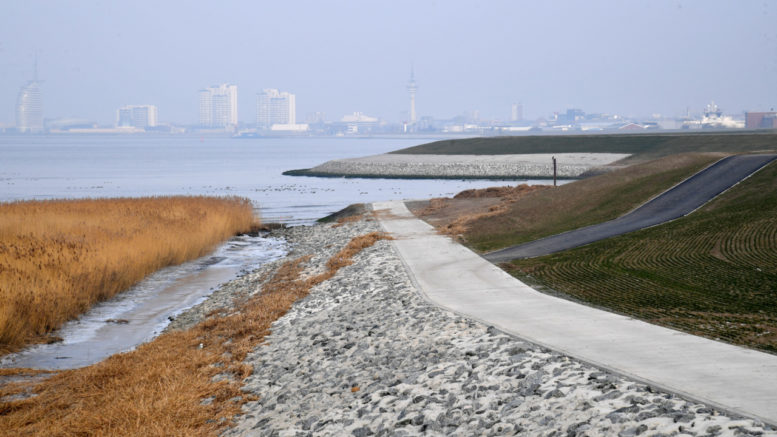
(393, 165)
(364, 354)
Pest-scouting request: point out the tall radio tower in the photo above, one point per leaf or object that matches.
(412, 88)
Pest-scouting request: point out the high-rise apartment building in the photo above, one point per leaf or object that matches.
(140, 116)
(218, 106)
(29, 108)
(275, 107)
(517, 112)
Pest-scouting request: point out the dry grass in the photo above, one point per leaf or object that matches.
(507, 196)
(435, 204)
(158, 388)
(507, 193)
(348, 219)
(58, 258)
(459, 225)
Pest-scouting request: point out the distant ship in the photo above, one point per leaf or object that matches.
(712, 110)
(714, 119)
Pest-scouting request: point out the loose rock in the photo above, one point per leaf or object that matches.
(421, 370)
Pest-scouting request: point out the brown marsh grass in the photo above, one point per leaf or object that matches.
(60, 257)
(507, 196)
(454, 216)
(348, 219)
(158, 388)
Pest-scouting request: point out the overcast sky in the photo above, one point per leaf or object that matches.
(633, 58)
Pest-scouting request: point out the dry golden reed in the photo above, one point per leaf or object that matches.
(506, 195)
(158, 388)
(60, 257)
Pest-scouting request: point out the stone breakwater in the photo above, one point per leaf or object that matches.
(569, 165)
(364, 355)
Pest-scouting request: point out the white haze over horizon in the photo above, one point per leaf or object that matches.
(632, 58)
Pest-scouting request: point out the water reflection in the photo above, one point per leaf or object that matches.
(141, 313)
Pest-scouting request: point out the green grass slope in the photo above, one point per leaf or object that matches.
(712, 273)
(645, 145)
(583, 202)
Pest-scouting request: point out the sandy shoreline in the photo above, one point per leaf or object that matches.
(364, 354)
(569, 165)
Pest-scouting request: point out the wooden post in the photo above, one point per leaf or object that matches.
(554, 171)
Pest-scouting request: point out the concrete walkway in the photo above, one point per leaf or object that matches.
(453, 277)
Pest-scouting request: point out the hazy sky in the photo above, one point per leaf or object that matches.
(632, 58)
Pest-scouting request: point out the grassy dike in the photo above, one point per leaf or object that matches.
(644, 146)
(582, 203)
(712, 273)
(60, 257)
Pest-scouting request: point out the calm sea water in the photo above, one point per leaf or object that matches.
(64, 166)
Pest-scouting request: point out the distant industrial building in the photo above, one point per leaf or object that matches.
(275, 108)
(761, 120)
(218, 106)
(29, 108)
(570, 117)
(359, 123)
(139, 116)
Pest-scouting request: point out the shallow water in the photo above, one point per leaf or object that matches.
(72, 166)
(141, 313)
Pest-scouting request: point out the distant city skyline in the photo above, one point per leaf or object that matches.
(635, 59)
(276, 112)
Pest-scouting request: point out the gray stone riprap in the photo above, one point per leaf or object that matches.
(421, 370)
(487, 166)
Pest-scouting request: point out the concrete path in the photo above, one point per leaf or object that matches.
(451, 276)
(680, 200)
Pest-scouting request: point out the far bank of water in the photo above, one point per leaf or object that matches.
(77, 166)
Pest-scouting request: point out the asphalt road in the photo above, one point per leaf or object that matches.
(681, 200)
